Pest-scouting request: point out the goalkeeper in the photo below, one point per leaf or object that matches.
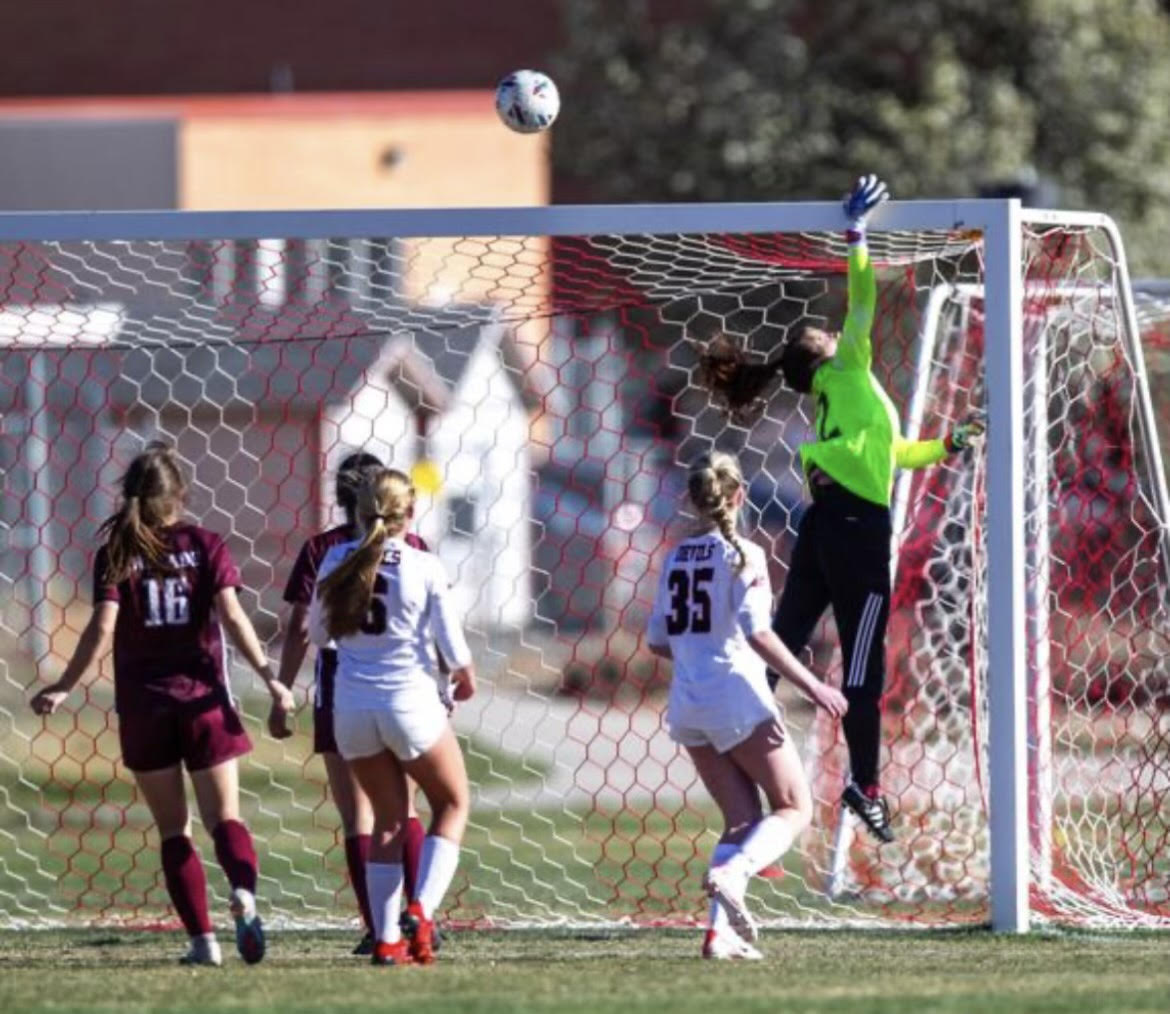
(843, 547)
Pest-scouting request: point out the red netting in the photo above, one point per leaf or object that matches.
(553, 384)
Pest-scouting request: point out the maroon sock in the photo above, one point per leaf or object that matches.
(186, 883)
(236, 854)
(357, 851)
(412, 846)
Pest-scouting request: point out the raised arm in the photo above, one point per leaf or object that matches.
(855, 349)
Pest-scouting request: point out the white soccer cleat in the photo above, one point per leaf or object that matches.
(203, 951)
(728, 947)
(725, 887)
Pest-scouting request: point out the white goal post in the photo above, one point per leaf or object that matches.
(992, 232)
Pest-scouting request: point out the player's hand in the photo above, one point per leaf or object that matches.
(969, 433)
(867, 193)
(279, 722)
(831, 699)
(48, 700)
(282, 698)
(463, 683)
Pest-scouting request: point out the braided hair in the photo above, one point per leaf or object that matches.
(712, 482)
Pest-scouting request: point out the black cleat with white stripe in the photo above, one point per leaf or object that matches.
(874, 811)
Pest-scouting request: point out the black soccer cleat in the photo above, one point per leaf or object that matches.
(365, 946)
(873, 811)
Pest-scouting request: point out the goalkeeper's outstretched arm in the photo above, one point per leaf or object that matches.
(924, 453)
(855, 350)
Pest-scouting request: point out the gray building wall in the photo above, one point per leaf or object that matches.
(87, 165)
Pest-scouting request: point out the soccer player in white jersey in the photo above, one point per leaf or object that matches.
(712, 617)
(383, 601)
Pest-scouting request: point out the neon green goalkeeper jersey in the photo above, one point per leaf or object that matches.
(859, 440)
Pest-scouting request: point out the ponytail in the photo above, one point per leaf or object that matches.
(384, 504)
(739, 387)
(153, 490)
(346, 592)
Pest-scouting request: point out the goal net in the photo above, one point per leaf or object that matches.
(543, 390)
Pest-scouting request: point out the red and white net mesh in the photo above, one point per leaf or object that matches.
(551, 384)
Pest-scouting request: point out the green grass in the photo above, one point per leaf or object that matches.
(76, 845)
(967, 972)
(72, 829)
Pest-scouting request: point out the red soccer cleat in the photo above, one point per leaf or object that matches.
(397, 953)
(773, 871)
(421, 932)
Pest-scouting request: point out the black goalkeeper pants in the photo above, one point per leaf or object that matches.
(842, 559)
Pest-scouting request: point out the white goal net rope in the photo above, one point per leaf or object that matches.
(549, 386)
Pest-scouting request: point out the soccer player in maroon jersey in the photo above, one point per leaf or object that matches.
(353, 806)
(162, 586)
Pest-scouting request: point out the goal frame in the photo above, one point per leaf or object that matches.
(1001, 224)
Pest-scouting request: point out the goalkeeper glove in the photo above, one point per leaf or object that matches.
(867, 193)
(969, 433)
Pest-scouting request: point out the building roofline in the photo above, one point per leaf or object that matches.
(271, 106)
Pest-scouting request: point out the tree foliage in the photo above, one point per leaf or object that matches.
(786, 99)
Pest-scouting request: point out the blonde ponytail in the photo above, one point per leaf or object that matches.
(712, 482)
(384, 505)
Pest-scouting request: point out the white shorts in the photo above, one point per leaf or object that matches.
(723, 737)
(407, 727)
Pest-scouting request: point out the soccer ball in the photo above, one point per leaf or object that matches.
(527, 101)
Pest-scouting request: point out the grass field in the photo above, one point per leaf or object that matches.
(968, 972)
(79, 845)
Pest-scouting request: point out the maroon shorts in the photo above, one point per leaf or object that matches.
(198, 739)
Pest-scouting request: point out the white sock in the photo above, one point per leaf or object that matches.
(766, 842)
(436, 870)
(384, 887)
(716, 914)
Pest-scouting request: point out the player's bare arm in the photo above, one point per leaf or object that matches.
(771, 649)
(292, 657)
(94, 643)
(243, 636)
